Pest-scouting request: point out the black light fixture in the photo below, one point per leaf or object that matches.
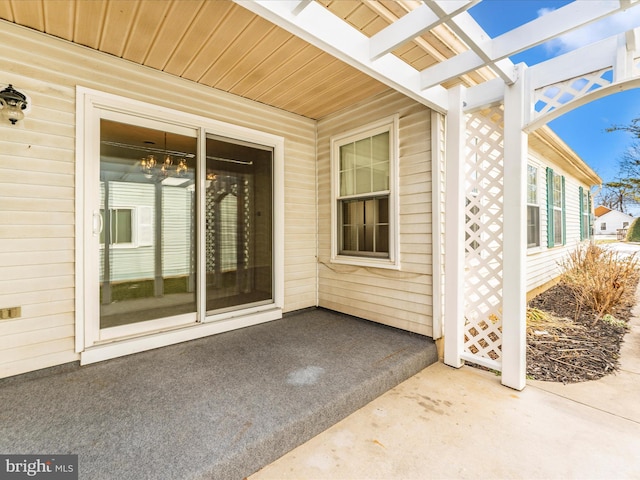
(12, 104)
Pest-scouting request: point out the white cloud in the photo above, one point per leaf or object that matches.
(618, 23)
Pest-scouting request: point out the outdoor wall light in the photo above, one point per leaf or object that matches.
(12, 104)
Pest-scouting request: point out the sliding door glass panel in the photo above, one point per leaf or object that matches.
(239, 224)
(147, 238)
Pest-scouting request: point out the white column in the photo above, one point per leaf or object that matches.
(454, 230)
(514, 290)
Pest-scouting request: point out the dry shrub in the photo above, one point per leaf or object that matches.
(598, 278)
(539, 321)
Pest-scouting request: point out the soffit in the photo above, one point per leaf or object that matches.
(215, 43)
(222, 45)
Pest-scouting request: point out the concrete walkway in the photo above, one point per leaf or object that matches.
(446, 423)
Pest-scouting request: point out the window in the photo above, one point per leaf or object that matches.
(126, 227)
(556, 220)
(364, 166)
(585, 214)
(625, 224)
(119, 226)
(603, 226)
(533, 209)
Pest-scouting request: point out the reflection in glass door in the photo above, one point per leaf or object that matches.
(148, 224)
(239, 224)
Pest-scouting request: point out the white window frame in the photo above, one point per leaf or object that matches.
(558, 210)
(390, 124)
(536, 204)
(134, 228)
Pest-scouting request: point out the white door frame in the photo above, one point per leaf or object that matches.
(91, 105)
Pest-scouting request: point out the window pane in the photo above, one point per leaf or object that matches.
(347, 180)
(365, 226)
(363, 180)
(347, 156)
(369, 231)
(361, 237)
(380, 147)
(347, 172)
(532, 184)
(348, 213)
(557, 191)
(382, 238)
(380, 176)
(533, 226)
(363, 153)
(122, 223)
(350, 238)
(370, 211)
(383, 210)
(557, 227)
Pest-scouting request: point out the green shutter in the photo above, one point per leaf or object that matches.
(581, 200)
(550, 242)
(564, 215)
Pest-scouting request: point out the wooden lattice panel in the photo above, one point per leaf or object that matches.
(553, 96)
(483, 234)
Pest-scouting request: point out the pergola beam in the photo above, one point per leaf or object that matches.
(321, 28)
(550, 26)
(490, 52)
(587, 59)
(465, 26)
(412, 25)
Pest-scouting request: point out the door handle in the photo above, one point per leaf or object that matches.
(97, 223)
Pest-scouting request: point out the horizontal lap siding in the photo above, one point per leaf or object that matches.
(544, 264)
(401, 298)
(37, 184)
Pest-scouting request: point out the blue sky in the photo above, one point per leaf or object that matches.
(583, 129)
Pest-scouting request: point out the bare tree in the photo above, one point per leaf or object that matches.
(625, 191)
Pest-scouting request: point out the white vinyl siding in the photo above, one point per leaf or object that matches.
(400, 298)
(37, 185)
(543, 264)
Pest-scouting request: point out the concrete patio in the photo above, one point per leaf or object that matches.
(454, 424)
(218, 408)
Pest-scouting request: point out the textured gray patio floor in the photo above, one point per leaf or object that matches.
(220, 407)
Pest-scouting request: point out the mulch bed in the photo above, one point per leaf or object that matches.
(574, 348)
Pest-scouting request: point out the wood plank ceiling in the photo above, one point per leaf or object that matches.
(222, 45)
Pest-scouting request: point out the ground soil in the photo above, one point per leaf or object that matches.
(576, 346)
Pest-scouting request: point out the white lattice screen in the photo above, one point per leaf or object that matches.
(483, 237)
(553, 96)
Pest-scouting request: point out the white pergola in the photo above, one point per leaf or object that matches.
(484, 289)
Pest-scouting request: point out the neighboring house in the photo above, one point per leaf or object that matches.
(189, 168)
(608, 221)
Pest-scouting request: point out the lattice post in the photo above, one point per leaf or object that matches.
(514, 291)
(454, 225)
(483, 177)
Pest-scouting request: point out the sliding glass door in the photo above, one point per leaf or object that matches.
(180, 227)
(147, 224)
(238, 224)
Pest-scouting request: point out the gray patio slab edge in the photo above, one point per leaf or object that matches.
(220, 407)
